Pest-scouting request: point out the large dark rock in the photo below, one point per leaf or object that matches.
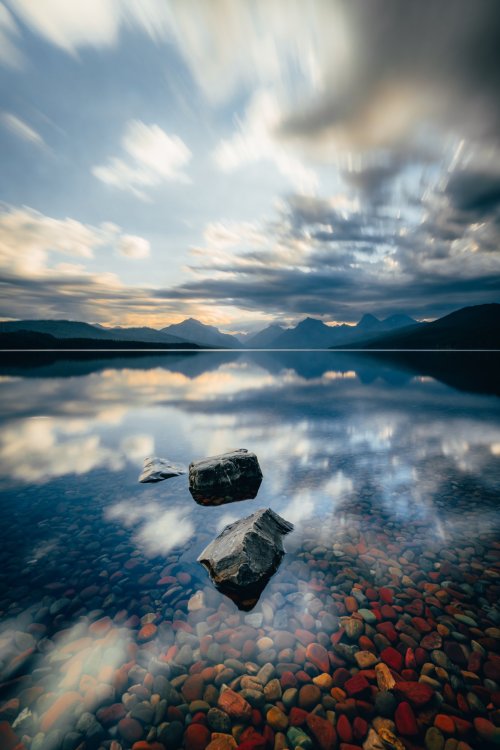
(223, 479)
(244, 556)
(156, 469)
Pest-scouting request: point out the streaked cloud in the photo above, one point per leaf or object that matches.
(28, 239)
(134, 247)
(152, 157)
(70, 26)
(21, 129)
(342, 158)
(255, 141)
(10, 54)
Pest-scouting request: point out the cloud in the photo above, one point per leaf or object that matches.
(9, 33)
(134, 247)
(21, 129)
(329, 258)
(94, 22)
(138, 447)
(36, 450)
(29, 240)
(475, 191)
(37, 280)
(159, 530)
(152, 158)
(408, 65)
(254, 141)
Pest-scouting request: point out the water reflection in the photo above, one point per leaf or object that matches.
(388, 467)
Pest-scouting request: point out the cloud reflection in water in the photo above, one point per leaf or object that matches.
(157, 531)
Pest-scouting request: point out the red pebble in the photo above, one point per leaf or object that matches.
(356, 685)
(256, 717)
(385, 595)
(360, 728)
(318, 655)
(392, 658)
(8, 740)
(196, 737)
(268, 735)
(192, 689)
(417, 693)
(288, 680)
(410, 661)
(388, 612)
(421, 625)
(252, 740)
(387, 629)
(322, 731)
(340, 677)
(405, 719)
(297, 716)
(444, 723)
(147, 632)
(344, 730)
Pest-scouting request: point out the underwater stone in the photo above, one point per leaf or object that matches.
(246, 552)
(157, 469)
(225, 478)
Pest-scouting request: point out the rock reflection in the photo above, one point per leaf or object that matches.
(246, 598)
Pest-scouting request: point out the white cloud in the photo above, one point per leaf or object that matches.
(37, 450)
(159, 530)
(137, 447)
(71, 25)
(255, 141)
(9, 54)
(21, 129)
(28, 239)
(134, 247)
(226, 45)
(152, 158)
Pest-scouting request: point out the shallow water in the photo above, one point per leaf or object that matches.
(389, 468)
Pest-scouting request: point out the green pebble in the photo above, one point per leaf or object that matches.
(368, 616)
(297, 738)
(434, 740)
(289, 697)
(466, 620)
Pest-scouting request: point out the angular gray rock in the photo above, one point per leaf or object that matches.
(223, 479)
(156, 469)
(247, 552)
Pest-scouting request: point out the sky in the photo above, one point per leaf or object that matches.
(248, 161)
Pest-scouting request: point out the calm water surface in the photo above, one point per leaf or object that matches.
(112, 635)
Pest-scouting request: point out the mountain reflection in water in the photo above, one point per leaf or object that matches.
(387, 465)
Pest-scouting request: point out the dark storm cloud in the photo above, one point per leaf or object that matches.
(476, 192)
(336, 295)
(447, 49)
(342, 276)
(325, 223)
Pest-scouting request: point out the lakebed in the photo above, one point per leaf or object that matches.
(380, 626)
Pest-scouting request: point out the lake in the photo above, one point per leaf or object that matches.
(382, 623)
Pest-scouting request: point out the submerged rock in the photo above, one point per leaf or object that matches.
(244, 556)
(156, 469)
(226, 478)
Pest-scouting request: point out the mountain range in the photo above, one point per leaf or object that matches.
(475, 327)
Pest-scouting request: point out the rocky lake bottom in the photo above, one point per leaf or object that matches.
(381, 627)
